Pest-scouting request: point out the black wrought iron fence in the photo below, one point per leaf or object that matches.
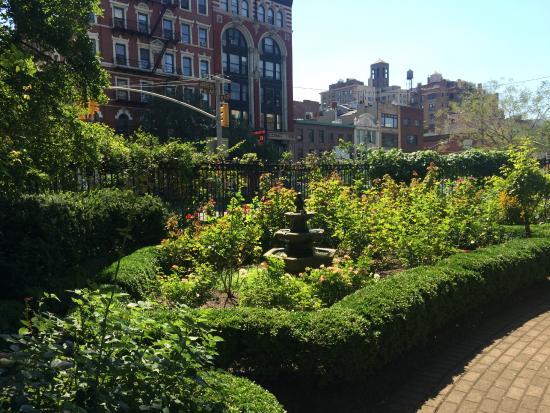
(187, 188)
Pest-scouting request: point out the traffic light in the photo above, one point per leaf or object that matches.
(224, 114)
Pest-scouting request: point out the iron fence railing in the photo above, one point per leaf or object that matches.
(189, 187)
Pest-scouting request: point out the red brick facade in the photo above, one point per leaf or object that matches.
(171, 44)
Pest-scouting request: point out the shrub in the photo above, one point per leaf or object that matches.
(136, 273)
(271, 288)
(192, 289)
(45, 236)
(92, 359)
(380, 322)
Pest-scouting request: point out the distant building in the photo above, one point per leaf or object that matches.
(355, 94)
(400, 127)
(437, 95)
(308, 109)
(318, 136)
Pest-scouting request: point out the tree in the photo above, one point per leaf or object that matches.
(48, 72)
(168, 120)
(489, 118)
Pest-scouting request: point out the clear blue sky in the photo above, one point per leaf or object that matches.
(478, 41)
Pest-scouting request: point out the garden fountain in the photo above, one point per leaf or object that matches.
(299, 252)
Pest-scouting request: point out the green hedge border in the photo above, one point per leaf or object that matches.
(376, 325)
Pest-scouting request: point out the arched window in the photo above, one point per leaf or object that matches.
(235, 68)
(270, 18)
(123, 124)
(224, 5)
(261, 14)
(271, 85)
(279, 19)
(244, 8)
(235, 6)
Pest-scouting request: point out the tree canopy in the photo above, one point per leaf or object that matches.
(500, 116)
(48, 72)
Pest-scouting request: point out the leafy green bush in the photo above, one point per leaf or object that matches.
(136, 273)
(45, 236)
(378, 323)
(405, 224)
(272, 288)
(184, 287)
(108, 355)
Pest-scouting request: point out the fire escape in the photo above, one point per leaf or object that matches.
(166, 35)
(145, 30)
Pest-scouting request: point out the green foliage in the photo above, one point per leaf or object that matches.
(380, 322)
(41, 97)
(407, 225)
(525, 183)
(136, 273)
(271, 288)
(184, 287)
(45, 236)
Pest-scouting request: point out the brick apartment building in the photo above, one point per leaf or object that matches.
(318, 136)
(401, 127)
(436, 95)
(175, 46)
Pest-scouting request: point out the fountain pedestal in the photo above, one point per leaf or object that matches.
(299, 252)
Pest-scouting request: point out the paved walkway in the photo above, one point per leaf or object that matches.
(503, 366)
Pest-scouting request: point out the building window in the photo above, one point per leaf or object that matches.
(261, 14)
(279, 22)
(205, 68)
(185, 4)
(188, 94)
(203, 37)
(389, 121)
(147, 86)
(270, 16)
(235, 6)
(122, 94)
(202, 7)
(187, 66)
(120, 54)
(244, 8)
(311, 135)
(168, 29)
(144, 58)
(185, 33)
(412, 140)
(170, 91)
(92, 18)
(224, 5)
(431, 107)
(94, 45)
(143, 23)
(322, 136)
(119, 20)
(168, 63)
(123, 124)
(389, 140)
(416, 122)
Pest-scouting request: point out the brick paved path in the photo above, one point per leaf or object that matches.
(503, 367)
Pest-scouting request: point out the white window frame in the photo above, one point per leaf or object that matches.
(124, 42)
(190, 24)
(190, 6)
(94, 37)
(174, 67)
(148, 47)
(146, 98)
(189, 56)
(205, 59)
(117, 78)
(207, 8)
(122, 6)
(207, 28)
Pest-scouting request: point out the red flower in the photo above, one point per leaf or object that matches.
(246, 209)
(189, 217)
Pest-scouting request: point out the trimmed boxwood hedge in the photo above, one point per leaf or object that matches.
(377, 324)
(43, 238)
(136, 275)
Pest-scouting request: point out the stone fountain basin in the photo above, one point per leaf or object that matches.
(293, 216)
(321, 256)
(296, 237)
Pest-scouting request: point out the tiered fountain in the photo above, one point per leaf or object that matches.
(299, 252)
